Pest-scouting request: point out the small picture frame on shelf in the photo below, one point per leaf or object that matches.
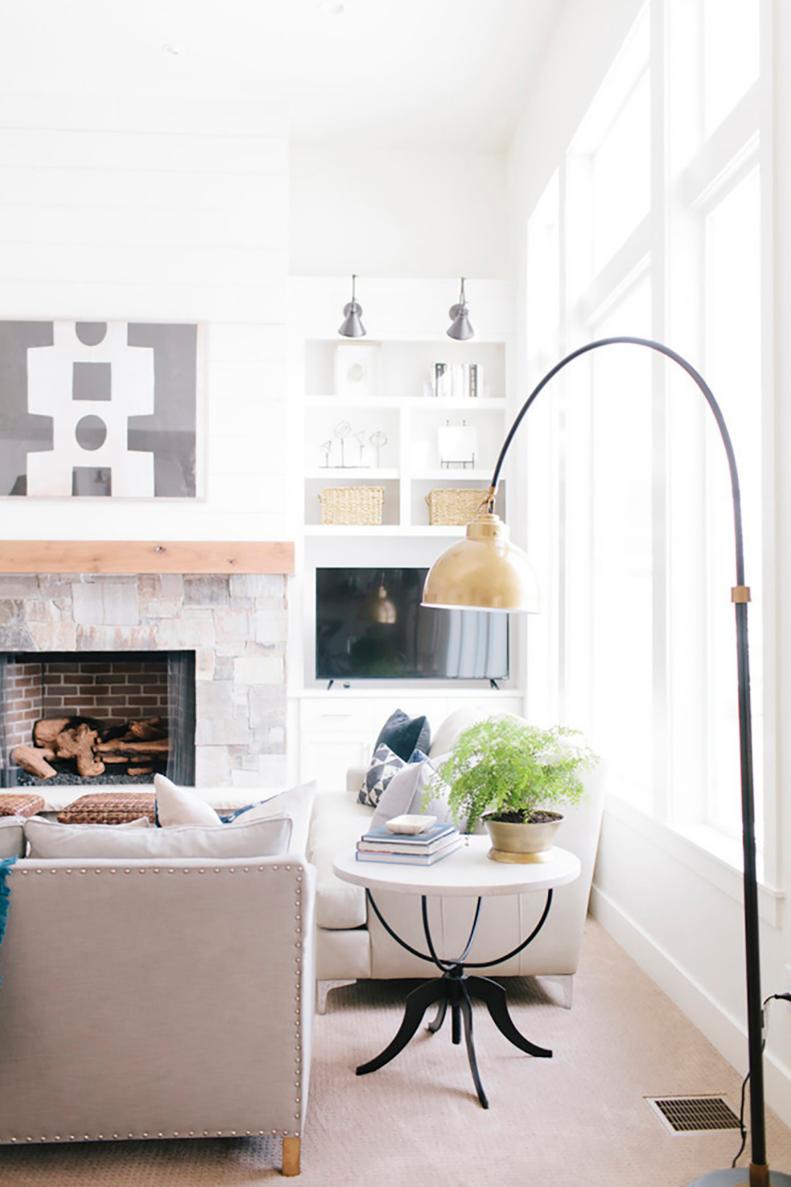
(356, 369)
(457, 446)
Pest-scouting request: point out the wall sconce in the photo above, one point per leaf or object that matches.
(352, 326)
(460, 327)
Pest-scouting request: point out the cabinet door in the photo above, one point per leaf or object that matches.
(332, 740)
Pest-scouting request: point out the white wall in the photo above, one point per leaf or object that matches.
(383, 212)
(673, 906)
(160, 211)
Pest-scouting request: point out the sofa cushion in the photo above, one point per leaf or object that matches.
(401, 793)
(404, 734)
(338, 822)
(264, 838)
(12, 836)
(26, 803)
(109, 807)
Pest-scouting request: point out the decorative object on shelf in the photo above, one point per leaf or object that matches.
(352, 505)
(356, 369)
(341, 432)
(512, 775)
(456, 381)
(105, 409)
(457, 445)
(454, 506)
(352, 326)
(460, 327)
(359, 437)
(378, 440)
(485, 571)
(326, 449)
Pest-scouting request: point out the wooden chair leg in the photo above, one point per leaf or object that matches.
(291, 1151)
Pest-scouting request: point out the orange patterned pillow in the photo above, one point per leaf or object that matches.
(109, 807)
(14, 803)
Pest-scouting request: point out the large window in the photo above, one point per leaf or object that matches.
(652, 227)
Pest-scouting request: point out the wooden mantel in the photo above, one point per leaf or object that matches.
(146, 556)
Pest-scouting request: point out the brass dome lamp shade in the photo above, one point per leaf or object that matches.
(484, 571)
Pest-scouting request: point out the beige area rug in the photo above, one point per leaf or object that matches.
(578, 1120)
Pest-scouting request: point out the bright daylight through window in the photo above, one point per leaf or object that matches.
(652, 226)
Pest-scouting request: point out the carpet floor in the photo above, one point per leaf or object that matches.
(578, 1119)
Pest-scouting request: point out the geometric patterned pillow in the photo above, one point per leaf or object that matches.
(381, 769)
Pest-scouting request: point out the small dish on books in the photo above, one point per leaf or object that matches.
(411, 825)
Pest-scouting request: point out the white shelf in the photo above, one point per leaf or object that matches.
(436, 475)
(428, 403)
(335, 474)
(383, 529)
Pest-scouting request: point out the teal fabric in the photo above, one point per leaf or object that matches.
(5, 893)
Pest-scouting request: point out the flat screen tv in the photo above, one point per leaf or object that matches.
(370, 626)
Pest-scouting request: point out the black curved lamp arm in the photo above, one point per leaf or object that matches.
(740, 596)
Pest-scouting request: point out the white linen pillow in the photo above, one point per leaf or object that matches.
(181, 805)
(402, 793)
(12, 836)
(263, 838)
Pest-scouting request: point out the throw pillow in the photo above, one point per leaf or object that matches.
(404, 735)
(12, 837)
(381, 769)
(176, 806)
(403, 793)
(20, 803)
(263, 838)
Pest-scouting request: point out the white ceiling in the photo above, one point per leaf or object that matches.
(397, 72)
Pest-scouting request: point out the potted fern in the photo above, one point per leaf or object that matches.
(513, 776)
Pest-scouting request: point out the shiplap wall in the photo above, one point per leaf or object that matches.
(164, 212)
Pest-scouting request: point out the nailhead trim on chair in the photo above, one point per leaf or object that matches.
(219, 1133)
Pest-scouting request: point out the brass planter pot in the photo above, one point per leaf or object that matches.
(522, 843)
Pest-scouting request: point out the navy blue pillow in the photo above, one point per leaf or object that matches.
(404, 734)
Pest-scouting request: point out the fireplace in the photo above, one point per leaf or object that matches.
(97, 717)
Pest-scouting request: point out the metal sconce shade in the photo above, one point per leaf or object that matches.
(460, 327)
(484, 571)
(352, 326)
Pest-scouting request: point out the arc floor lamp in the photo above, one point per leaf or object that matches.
(486, 571)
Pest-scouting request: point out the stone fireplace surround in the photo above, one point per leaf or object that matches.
(236, 624)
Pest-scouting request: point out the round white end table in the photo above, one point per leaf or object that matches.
(466, 873)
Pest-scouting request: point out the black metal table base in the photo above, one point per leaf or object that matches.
(457, 990)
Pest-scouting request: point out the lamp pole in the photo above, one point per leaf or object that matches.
(759, 1175)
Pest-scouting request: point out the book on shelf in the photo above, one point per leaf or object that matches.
(412, 859)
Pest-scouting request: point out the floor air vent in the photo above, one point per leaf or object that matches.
(693, 1114)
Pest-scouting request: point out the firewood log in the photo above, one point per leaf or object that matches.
(142, 749)
(78, 743)
(33, 759)
(149, 730)
(140, 770)
(46, 729)
(115, 758)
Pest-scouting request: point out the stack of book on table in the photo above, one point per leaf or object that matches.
(418, 849)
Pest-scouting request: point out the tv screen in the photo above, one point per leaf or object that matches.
(370, 625)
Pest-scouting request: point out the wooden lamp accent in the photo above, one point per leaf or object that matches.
(147, 556)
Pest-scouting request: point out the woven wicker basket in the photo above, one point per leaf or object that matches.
(457, 506)
(352, 504)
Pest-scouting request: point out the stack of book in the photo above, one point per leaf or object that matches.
(418, 849)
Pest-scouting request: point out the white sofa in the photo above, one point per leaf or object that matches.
(351, 944)
(150, 999)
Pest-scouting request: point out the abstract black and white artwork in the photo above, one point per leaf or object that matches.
(98, 408)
